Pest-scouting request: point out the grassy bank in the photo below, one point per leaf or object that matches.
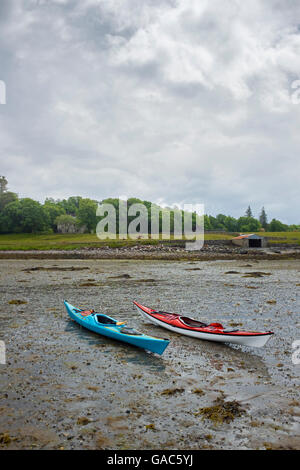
(55, 241)
(26, 241)
(282, 237)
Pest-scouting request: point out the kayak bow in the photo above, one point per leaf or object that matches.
(197, 329)
(108, 326)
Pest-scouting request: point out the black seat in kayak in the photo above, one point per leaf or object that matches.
(105, 320)
(193, 323)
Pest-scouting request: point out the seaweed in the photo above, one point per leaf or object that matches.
(5, 438)
(172, 391)
(198, 391)
(150, 426)
(83, 421)
(120, 276)
(222, 411)
(256, 274)
(88, 284)
(55, 268)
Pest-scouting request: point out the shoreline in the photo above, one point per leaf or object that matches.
(157, 253)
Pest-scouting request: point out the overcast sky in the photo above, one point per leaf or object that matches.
(173, 101)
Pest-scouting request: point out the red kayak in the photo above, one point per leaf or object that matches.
(197, 329)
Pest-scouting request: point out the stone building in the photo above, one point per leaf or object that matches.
(250, 241)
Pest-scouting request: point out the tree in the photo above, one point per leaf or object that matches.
(53, 210)
(248, 224)
(86, 214)
(294, 228)
(263, 218)
(24, 215)
(5, 196)
(3, 184)
(277, 226)
(66, 223)
(212, 222)
(71, 205)
(248, 212)
(10, 218)
(207, 224)
(231, 224)
(221, 219)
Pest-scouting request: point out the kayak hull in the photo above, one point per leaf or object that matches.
(243, 338)
(114, 330)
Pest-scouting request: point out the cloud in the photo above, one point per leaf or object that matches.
(174, 101)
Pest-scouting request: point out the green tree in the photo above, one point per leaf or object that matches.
(221, 218)
(218, 222)
(207, 224)
(231, 224)
(71, 205)
(86, 214)
(277, 226)
(3, 184)
(6, 198)
(66, 223)
(263, 218)
(248, 224)
(24, 215)
(53, 210)
(213, 222)
(248, 212)
(10, 218)
(294, 228)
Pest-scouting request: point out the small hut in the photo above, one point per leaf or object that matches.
(250, 241)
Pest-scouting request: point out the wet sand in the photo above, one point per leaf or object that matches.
(65, 387)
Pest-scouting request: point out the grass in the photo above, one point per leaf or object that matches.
(282, 237)
(27, 241)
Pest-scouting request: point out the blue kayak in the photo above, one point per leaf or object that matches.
(107, 326)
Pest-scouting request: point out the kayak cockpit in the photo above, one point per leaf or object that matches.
(104, 320)
(192, 323)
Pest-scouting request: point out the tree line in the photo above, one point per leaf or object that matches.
(25, 215)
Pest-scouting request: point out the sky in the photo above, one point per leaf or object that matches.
(171, 101)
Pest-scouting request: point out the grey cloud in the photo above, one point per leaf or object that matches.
(160, 100)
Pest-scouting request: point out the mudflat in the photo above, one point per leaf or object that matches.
(65, 387)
